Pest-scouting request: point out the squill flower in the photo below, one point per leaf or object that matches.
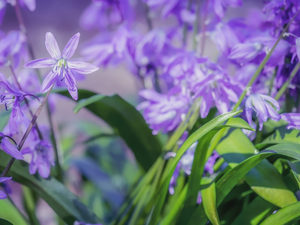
(163, 112)
(83, 223)
(63, 67)
(41, 158)
(293, 120)
(2, 194)
(9, 148)
(263, 107)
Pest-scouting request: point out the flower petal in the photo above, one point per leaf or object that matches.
(272, 100)
(2, 195)
(30, 4)
(71, 84)
(44, 170)
(48, 82)
(82, 67)
(41, 63)
(11, 149)
(2, 179)
(71, 47)
(52, 46)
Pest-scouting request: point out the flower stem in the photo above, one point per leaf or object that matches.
(26, 101)
(35, 116)
(195, 28)
(262, 64)
(31, 53)
(185, 26)
(287, 83)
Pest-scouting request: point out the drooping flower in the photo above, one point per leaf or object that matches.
(293, 120)
(163, 112)
(9, 148)
(263, 107)
(2, 194)
(63, 67)
(42, 158)
(103, 13)
(112, 52)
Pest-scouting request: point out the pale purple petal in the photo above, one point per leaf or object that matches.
(41, 63)
(2, 195)
(260, 107)
(32, 168)
(48, 82)
(11, 149)
(52, 46)
(30, 4)
(82, 67)
(2, 179)
(71, 84)
(248, 108)
(272, 113)
(71, 47)
(272, 100)
(44, 170)
(2, 12)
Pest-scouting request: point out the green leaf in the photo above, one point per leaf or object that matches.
(283, 135)
(195, 177)
(255, 212)
(238, 123)
(59, 198)
(233, 176)
(125, 120)
(209, 202)
(191, 140)
(284, 215)
(5, 222)
(4, 115)
(264, 179)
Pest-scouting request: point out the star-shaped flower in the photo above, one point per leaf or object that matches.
(63, 67)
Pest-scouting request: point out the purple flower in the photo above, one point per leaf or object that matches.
(42, 159)
(13, 48)
(29, 3)
(104, 13)
(163, 112)
(183, 65)
(263, 107)
(293, 120)
(9, 148)
(63, 67)
(221, 5)
(154, 48)
(3, 179)
(112, 52)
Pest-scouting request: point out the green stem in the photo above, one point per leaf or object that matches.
(204, 28)
(272, 81)
(263, 63)
(185, 26)
(31, 53)
(287, 83)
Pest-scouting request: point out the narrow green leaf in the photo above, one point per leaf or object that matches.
(125, 120)
(5, 222)
(59, 198)
(233, 176)
(191, 139)
(284, 215)
(209, 202)
(264, 179)
(29, 205)
(238, 123)
(255, 212)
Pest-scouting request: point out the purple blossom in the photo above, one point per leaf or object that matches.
(163, 112)
(154, 48)
(2, 194)
(41, 154)
(9, 148)
(221, 5)
(104, 13)
(293, 120)
(112, 52)
(63, 67)
(263, 107)
(13, 48)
